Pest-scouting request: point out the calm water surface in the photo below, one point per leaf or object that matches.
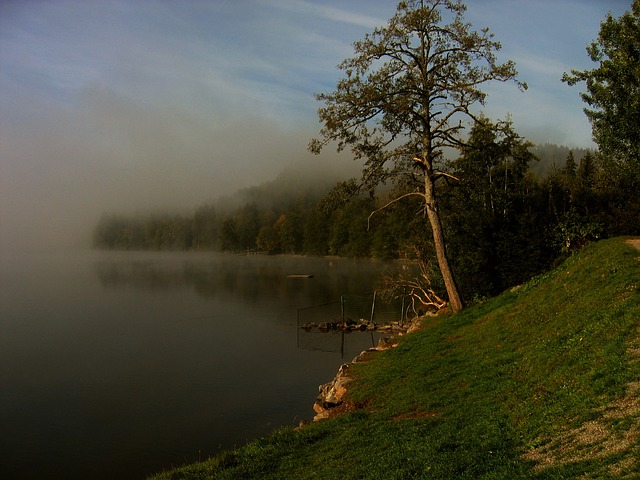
(120, 364)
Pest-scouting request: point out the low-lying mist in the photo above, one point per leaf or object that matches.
(61, 171)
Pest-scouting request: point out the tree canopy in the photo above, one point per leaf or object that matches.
(613, 87)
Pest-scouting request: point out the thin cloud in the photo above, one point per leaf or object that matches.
(327, 12)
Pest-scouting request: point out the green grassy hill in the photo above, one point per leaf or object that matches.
(542, 382)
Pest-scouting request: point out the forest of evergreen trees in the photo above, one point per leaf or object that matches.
(504, 222)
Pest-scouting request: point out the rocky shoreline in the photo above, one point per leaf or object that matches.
(331, 399)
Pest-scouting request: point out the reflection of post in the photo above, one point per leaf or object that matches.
(342, 345)
(402, 313)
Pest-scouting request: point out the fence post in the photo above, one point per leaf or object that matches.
(298, 329)
(373, 306)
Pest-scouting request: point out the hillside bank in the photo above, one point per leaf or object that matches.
(541, 382)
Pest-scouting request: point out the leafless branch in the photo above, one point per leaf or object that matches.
(395, 200)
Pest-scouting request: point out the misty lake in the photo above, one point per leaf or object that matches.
(123, 364)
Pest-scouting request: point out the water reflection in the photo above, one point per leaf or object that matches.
(248, 277)
(118, 365)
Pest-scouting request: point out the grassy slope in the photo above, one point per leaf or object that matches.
(541, 382)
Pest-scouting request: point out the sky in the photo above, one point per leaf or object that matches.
(133, 106)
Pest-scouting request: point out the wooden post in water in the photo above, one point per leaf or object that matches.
(342, 329)
(373, 306)
(298, 329)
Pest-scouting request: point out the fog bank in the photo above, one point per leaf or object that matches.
(68, 167)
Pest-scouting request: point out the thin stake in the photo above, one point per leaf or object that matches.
(373, 306)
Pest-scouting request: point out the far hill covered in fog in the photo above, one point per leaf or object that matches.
(554, 156)
(503, 226)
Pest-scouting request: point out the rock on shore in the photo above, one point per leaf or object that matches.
(332, 394)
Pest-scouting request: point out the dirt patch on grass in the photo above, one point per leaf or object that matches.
(452, 338)
(597, 439)
(616, 432)
(347, 407)
(634, 242)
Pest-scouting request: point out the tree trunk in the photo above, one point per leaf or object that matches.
(439, 243)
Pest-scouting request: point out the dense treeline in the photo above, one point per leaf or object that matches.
(504, 223)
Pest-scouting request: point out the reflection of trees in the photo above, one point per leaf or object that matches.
(249, 278)
(140, 275)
